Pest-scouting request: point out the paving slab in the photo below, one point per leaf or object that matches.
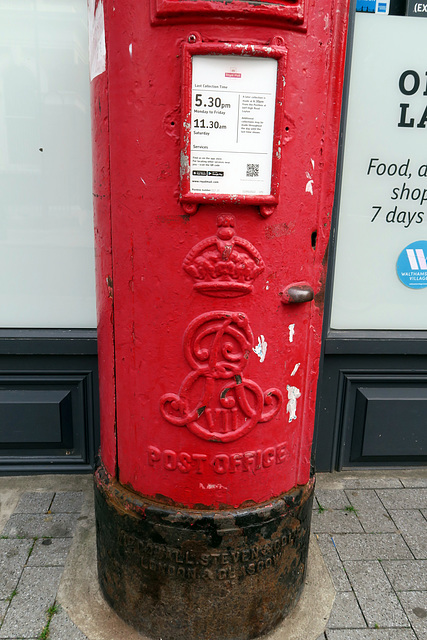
(364, 499)
(413, 527)
(379, 603)
(67, 502)
(414, 482)
(369, 481)
(333, 562)
(62, 628)
(371, 634)
(47, 482)
(335, 521)
(406, 575)
(415, 606)
(50, 552)
(27, 613)
(12, 488)
(31, 525)
(346, 613)
(35, 502)
(372, 546)
(332, 499)
(374, 521)
(372, 483)
(13, 556)
(403, 498)
(9, 498)
(3, 608)
(370, 511)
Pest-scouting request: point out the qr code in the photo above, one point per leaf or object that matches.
(252, 170)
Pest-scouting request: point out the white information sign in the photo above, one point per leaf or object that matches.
(232, 124)
(382, 224)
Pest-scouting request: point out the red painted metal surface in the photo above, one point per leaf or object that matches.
(104, 266)
(207, 377)
(271, 12)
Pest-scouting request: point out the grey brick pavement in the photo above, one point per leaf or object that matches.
(34, 546)
(371, 530)
(379, 565)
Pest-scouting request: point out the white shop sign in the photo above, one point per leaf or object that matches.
(383, 201)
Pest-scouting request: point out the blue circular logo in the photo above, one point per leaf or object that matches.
(412, 265)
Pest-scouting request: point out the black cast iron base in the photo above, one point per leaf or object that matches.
(181, 574)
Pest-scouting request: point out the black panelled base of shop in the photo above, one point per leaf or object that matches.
(181, 574)
(49, 415)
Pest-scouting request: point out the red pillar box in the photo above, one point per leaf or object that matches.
(215, 134)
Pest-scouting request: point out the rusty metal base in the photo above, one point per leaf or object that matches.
(180, 574)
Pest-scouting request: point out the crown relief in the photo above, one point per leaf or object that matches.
(224, 265)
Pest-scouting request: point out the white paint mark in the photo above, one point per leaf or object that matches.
(293, 394)
(267, 285)
(261, 348)
(97, 51)
(130, 49)
(291, 332)
(142, 180)
(312, 163)
(295, 369)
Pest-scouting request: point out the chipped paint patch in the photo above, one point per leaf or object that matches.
(295, 369)
(293, 394)
(184, 167)
(291, 332)
(309, 185)
(130, 50)
(142, 180)
(261, 348)
(267, 285)
(97, 50)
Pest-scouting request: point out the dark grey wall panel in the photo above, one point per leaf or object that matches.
(395, 422)
(372, 411)
(20, 409)
(49, 416)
